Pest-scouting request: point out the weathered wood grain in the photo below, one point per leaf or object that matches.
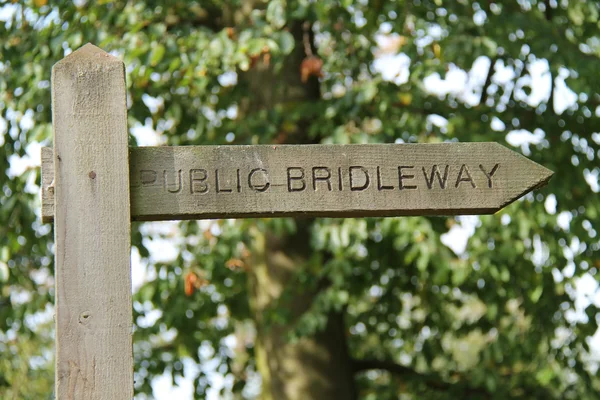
(92, 227)
(47, 184)
(198, 182)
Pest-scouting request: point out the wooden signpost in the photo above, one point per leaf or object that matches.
(93, 185)
(195, 182)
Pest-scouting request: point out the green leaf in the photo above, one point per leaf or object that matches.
(276, 13)
(146, 293)
(286, 42)
(536, 293)
(4, 272)
(157, 54)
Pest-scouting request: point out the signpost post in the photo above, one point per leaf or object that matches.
(93, 185)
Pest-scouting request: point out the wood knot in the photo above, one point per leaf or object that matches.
(92, 175)
(85, 317)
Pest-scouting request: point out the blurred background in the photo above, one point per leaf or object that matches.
(490, 307)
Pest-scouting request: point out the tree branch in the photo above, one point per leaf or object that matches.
(432, 381)
(461, 389)
(548, 12)
(397, 369)
(550, 105)
(488, 81)
(365, 365)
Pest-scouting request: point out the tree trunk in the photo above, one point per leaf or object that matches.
(315, 367)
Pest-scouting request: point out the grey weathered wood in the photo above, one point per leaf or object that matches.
(185, 194)
(47, 184)
(92, 228)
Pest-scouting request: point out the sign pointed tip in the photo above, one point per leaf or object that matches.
(545, 176)
(539, 174)
(538, 177)
(88, 53)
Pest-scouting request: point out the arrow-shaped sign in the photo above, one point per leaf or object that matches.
(198, 182)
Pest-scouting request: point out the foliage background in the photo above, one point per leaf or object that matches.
(496, 320)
